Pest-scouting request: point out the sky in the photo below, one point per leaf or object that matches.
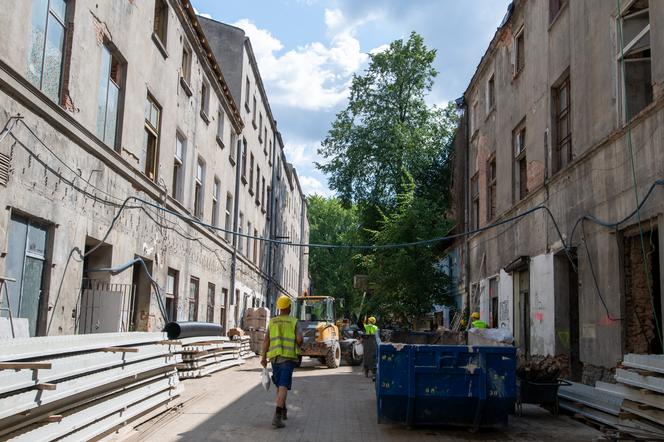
(308, 50)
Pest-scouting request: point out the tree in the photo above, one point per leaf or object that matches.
(406, 281)
(332, 269)
(387, 129)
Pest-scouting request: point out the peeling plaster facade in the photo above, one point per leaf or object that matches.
(549, 308)
(67, 192)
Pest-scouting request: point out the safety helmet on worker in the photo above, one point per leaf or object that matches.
(475, 316)
(372, 320)
(283, 302)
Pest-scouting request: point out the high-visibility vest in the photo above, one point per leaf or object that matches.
(479, 324)
(370, 329)
(283, 337)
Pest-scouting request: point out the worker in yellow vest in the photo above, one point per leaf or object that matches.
(476, 323)
(370, 327)
(281, 347)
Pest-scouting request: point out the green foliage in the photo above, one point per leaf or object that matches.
(387, 127)
(332, 270)
(406, 281)
(388, 157)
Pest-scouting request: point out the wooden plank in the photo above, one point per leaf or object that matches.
(120, 350)
(25, 365)
(652, 414)
(46, 386)
(54, 418)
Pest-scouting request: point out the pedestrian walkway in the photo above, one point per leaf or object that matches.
(325, 405)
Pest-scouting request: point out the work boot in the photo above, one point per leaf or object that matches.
(276, 420)
(284, 414)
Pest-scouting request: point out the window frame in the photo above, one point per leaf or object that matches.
(199, 189)
(117, 60)
(211, 305)
(177, 191)
(520, 160)
(216, 192)
(156, 133)
(228, 220)
(491, 93)
(185, 69)
(221, 127)
(205, 101)
(475, 198)
(251, 173)
(561, 142)
(195, 299)
(492, 188)
(519, 52)
(161, 12)
(174, 296)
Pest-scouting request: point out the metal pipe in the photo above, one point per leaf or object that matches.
(188, 329)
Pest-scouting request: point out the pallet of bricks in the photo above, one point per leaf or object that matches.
(632, 408)
(205, 355)
(256, 321)
(83, 387)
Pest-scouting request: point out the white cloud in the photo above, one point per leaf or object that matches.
(379, 49)
(315, 76)
(311, 186)
(303, 155)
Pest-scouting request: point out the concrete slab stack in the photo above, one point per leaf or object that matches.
(205, 355)
(84, 386)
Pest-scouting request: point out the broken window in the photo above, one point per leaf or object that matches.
(47, 39)
(193, 299)
(161, 21)
(209, 317)
(26, 263)
(475, 196)
(519, 52)
(198, 188)
(151, 137)
(172, 284)
(520, 162)
(229, 217)
(108, 102)
(177, 189)
(491, 189)
(634, 57)
(490, 94)
(562, 129)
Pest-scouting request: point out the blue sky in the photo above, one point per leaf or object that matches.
(308, 50)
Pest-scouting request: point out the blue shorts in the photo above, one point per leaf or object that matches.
(282, 374)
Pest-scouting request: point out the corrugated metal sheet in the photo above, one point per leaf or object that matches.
(654, 363)
(654, 383)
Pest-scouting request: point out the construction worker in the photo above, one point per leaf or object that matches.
(370, 327)
(476, 322)
(281, 347)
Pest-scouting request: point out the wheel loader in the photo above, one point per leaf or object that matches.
(321, 336)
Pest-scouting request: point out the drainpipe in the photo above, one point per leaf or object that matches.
(236, 211)
(271, 229)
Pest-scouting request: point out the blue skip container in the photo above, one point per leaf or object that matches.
(422, 384)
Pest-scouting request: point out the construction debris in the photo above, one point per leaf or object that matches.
(79, 387)
(541, 368)
(257, 320)
(633, 408)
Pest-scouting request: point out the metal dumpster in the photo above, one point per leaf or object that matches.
(420, 384)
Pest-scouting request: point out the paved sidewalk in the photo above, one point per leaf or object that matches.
(325, 405)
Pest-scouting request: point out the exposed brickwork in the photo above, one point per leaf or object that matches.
(593, 373)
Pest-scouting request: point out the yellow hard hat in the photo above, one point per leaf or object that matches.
(283, 302)
(372, 320)
(463, 323)
(475, 316)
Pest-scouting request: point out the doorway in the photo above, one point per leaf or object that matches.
(521, 295)
(643, 297)
(140, 312)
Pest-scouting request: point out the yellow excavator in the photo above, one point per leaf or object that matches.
(320, 334)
